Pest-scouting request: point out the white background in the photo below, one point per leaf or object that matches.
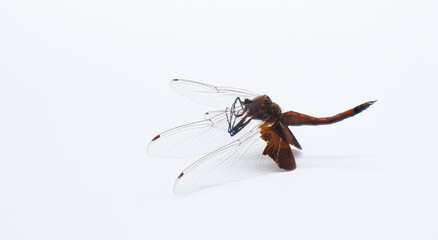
(84, 86)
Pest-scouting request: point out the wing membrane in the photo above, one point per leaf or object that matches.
(193, 139)
(277, 146)
(237, 160)
(214, 96)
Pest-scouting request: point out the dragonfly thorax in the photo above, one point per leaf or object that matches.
(262, 108)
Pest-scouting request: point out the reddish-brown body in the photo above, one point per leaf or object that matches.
(292, 118)
(275, 132)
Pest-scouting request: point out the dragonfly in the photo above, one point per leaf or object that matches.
(247, 135)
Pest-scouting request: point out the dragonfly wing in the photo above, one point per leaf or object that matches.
(211, 114)
(277, 146)
(291, 139)
(214, 96)
(240, 159)
(193, 139)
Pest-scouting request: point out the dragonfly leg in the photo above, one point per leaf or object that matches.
(233, 130)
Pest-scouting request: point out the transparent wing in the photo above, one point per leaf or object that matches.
(210, 114)
(217, 97)
(240, 159)
(193, 139)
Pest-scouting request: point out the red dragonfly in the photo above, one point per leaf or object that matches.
(250, 130)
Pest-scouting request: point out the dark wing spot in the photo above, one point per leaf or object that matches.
(155, 138)
(180, 176)
(175, 80)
